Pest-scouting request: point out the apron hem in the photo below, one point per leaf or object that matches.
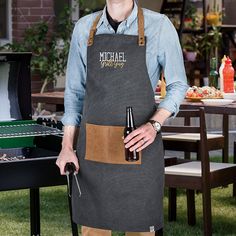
(117, 229)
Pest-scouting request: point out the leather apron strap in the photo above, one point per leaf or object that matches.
(141, 37)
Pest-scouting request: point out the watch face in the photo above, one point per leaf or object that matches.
(157, 126)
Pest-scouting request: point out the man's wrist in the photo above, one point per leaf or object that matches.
(156, 125)
(67, 147)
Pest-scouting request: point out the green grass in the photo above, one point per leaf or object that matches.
(14, 213)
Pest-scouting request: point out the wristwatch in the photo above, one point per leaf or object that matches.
(156, 125)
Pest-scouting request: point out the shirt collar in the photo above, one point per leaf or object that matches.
(128, 21)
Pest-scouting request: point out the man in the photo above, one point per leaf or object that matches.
(115, 61)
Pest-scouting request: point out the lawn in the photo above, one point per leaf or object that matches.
(14, 213)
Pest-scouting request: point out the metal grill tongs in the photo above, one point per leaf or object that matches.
(70, 170)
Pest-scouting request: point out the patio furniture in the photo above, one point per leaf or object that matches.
(201, 175)
(169, 161)
(189, 142)
(226, 111)
(55, 98)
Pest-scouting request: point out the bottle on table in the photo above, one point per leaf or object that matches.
(221, 73)
(213, 76)
(228, 75)
(163, 86)
(130, 126)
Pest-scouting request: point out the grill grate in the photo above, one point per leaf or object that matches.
(27, 130)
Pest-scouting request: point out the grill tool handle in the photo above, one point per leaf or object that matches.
(70, 169)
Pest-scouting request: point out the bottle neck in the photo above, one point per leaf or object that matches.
(213, 64)
(129, 118)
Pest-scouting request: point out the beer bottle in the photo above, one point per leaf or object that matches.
(130, 126)
(213, 76)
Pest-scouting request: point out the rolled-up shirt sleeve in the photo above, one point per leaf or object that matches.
(75, 82)
(170, 57)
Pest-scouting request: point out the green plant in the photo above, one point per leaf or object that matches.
(190, 16)
(190, 11)
(210, 41)
(191, 44)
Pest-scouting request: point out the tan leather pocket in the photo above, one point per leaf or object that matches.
(105, 144)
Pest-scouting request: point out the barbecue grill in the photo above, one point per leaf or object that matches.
(28, 149)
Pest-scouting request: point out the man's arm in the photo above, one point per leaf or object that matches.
(74, 97)
(171, 60)
(161, 115)
(67, 153)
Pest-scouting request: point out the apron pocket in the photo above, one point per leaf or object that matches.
(105, 144)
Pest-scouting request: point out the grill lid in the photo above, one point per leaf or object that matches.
(15, 86)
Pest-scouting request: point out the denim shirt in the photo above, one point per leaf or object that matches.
(163, 52)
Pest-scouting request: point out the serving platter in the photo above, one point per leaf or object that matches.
(230, 96)
(198, 99)
(217, 102)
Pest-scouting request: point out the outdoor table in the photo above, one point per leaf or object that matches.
(224, 110)
(55, 98)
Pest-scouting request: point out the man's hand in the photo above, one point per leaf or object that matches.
(140, 138)
(145, 134)
(67, 155)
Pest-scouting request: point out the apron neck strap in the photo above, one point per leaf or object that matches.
(141, 37)
(93, 30)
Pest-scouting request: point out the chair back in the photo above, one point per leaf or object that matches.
(186, 128)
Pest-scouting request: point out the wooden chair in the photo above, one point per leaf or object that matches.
(201, 175)
(189, 142)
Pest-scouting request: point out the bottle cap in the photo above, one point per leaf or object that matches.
(213, 62)
(223, 59)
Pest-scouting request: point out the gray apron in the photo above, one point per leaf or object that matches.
(116, 194)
